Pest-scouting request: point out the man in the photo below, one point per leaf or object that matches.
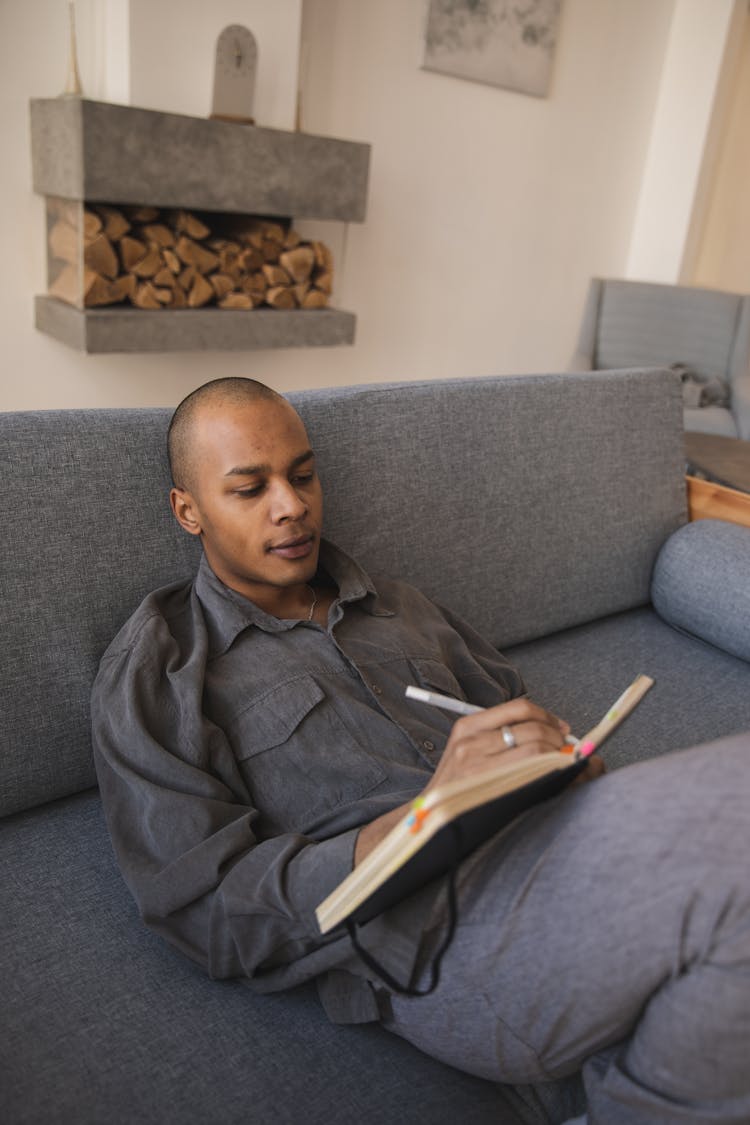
(253, 742)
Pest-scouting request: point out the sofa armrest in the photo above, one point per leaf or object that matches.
(701, 584)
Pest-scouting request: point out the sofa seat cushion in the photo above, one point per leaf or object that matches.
(710, 420)
(700, 693)
(102, 1022)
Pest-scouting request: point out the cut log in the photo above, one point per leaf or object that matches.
(274, 232)
(270, 250)
(163, 295)
(145, 298)
(115, 223)
(275, 275)
(300, 291)
(236, 301)
(99, 256)
(253, 237)
(172, 261)
(200, 293)
(323, 256)
(143, 214)
(324, 281)
(125, 286)
(64, 242)
(250, 260)
(179, 298)
(67, 285)
(228, 259)
(292, 239)
(299, 262)
(193, 254)
(165, 278)
(256, 286)
(315, 299)
(186, 223)
(158, 233)
(280, 297)
(92, 225)
(131, 251)
(149, 265)
(99, 290)
(222, 284)
(187, 277)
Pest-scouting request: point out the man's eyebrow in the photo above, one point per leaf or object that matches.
(252, 470)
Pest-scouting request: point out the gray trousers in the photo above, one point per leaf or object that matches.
(609, 930)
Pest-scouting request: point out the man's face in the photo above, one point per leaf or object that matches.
(256, 500)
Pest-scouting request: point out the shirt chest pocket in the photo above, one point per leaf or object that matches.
(298, 759)
(431, 674)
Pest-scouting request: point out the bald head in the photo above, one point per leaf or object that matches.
(219, 393)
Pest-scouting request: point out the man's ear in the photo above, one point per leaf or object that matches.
(185, 510)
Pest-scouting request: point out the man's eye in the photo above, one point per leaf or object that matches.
(246, 493)
(303, 478)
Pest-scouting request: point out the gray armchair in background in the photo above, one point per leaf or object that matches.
(707, 332)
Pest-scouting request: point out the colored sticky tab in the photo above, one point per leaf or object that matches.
(417, 815)
(586, 748)
(417, 818)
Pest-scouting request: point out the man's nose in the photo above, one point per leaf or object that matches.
(286, 503)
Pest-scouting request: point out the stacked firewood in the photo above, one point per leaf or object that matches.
(158, 259)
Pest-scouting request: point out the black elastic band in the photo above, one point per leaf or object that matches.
(382, 973)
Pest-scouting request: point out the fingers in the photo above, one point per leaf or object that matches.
(510, 714)
(514, 741)
(595, 767)
(511, 730)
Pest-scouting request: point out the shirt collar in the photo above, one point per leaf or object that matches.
(228, 612)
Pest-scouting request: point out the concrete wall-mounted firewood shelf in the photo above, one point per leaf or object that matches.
(106, 153)
(98, 152)
(140, 330)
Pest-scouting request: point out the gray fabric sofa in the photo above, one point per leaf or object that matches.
(635, 323)
(548, 510)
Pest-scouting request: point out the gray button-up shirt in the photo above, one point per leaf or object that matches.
(239, 755)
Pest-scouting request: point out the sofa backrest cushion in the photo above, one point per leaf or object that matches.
(644, 324)
(526, 504)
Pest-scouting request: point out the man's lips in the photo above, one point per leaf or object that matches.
(298, 548)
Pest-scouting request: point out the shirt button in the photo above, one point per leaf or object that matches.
(428, 745)
(377, 690)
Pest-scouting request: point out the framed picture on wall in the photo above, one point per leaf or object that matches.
(499, 42)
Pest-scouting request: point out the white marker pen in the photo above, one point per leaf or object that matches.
(447, 702)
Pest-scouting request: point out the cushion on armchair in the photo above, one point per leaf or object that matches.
(701, 583)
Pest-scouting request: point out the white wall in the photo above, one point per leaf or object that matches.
(488, 211)
(723, 254)
(703, 38)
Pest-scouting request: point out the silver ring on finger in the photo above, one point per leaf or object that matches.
(508, 737)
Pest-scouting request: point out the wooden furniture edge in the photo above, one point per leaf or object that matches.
(707, 500)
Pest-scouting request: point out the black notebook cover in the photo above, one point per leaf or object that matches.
(463, 834)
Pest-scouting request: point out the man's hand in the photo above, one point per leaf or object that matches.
(477, 744)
